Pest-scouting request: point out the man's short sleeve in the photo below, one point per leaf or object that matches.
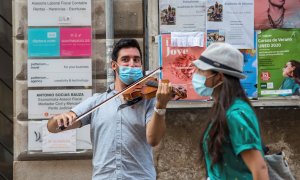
(84, 107)
(244, 131)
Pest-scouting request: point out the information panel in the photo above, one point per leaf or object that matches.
(59, 72)
(46, 103)
(59, 13)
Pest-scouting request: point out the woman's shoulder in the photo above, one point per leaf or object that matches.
(240, 107)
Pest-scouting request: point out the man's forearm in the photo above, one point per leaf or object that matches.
(156, 129)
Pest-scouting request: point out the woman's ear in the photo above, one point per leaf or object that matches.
(220, 77)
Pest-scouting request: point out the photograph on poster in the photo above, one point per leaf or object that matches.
(168, 16)
(215, 11)
(181, 16)
(291, 74)
(277, 14)
(215, 36)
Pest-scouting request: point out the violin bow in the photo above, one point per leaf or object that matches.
(110, 98)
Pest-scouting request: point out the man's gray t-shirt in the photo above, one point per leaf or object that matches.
(120, 148)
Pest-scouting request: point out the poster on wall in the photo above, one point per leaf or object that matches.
(43, 42)
(59, 13)
(271, 14)
(181, 16)
(46, 103)
(75, 42)
(278, 62)
(177, 65)
(230, 21)
(59, 72)
(250, 70)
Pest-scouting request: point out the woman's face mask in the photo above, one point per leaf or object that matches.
(198, 82)
(129, 74)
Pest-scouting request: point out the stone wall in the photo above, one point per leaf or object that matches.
(177, 157)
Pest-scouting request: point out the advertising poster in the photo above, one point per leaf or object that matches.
(58, 142)
(75, 42)
(177, 65)
(278, 62)
(250, 70)
(46, 103)
(181, 16)
(59, 72)
(59, 13)
(271, 14)
(43, 42)
(230, 21)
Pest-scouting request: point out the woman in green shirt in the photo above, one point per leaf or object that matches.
(231, 144)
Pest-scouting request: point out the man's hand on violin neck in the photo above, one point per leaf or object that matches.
(163, 94)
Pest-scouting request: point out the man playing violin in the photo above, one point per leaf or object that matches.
(122, 136)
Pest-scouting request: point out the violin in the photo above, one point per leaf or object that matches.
(146, 88)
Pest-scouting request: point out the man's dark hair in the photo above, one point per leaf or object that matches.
(124, 43)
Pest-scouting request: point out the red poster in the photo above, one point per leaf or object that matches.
(177, 65)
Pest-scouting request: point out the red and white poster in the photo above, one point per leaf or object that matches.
(177, 65)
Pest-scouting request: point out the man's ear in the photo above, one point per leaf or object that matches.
(114, 65)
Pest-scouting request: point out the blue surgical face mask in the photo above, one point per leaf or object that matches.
(129, 75)
(198, 82)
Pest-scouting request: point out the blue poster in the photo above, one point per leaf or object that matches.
(43, 42)
(250, 70)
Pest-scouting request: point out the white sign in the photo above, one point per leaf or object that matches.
(187, 39)
(59, 142)
(181, 16)
(35, 136)
(46, 103)
(231, 21)
(62, 72)
(59, 13)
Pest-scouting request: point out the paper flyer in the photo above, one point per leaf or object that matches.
(276, 14)
(177, 65)
(231, 22)
(278, 62)
(181, 16)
